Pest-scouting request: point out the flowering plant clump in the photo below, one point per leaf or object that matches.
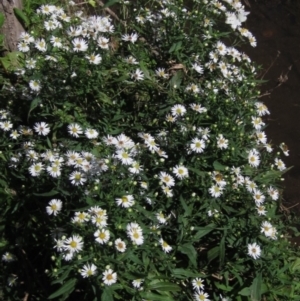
(134, 160)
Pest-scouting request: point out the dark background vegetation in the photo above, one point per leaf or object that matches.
(276, 26)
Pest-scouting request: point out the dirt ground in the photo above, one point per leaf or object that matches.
(276, 26)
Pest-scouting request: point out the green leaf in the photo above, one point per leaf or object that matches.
(104, 98)
(196, 171)
(92, 3)
(107, 295)
(218, 166)
(145, 70)
(175, 47)
(213, 253)
(183, 274)
(22, 18)
(110, 3)
(34, 103)
(11, 61)
(223, 287)
(176, 79)
(222, 251)
(153, 297)
(255, 288)
(202, 231)
(295, 265)
(163, 286)
(2, 19)
(245, 291)
(189, 250)
(50, 193)
(67, 288)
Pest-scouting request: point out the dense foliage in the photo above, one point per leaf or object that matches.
(134, 161)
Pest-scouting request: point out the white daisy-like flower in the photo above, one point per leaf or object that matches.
(261, 210)
(198, 108)
(167, 191)
(79, 45)
(32, 155)
(30, 63)
(253, 158)
(47, 9)
(160, 72)
(51, 24)
(68, 255)
(180, 171)
(218, 177)
(193, 88)
(170, 118)
(6, 126)
(94, 58)
(88, 270)
(125, 201)
(261, 109)
(130, 37)
(258, 197)
(26, 37)
(257, 123)
(198, 284)
(261, 137)
(42, 128)
(280, 165)
(120, 245)
(254, 250)
(36, 169)
(73, 244)
(54, 207)
(198, 68)
(124, 157)
(109, 277)
(135, 168)
(81, 217)
(102, 236)
(131, 60)
(162, 219)
(14, 134)
(167, 179)
(91, 133)
(23, 46)
(135, 233)
(74, 129)
(268, 147)
(137, 75)
(222, 143)
(54, 170)
(273, 193)
(56, 41)
(284, 148)
(197, 145)
(99, 221)
(201, 296)
(8, 257)
(35, 85)
(137, 283)
(165, 246)
(77, 178)
(216, 191)
(41, 45)
(103, 42)
(178, 110)
(267, 229)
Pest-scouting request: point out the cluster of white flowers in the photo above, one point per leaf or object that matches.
(92, 38)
